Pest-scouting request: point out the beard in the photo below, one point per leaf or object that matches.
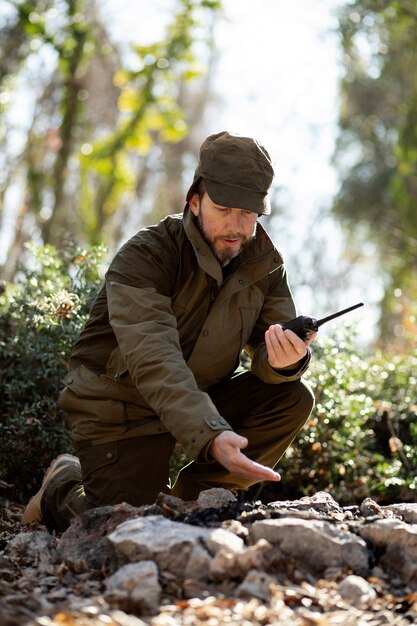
(225, 255)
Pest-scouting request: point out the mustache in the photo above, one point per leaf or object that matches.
(242, 238)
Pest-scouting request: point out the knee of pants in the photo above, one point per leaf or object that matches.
(307, 399)
(302, 402)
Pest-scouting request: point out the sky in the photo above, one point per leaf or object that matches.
(277, 79)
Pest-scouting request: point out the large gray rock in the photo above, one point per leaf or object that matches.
(398, 541)
(170, 544)
(84, 546)
(314, 544)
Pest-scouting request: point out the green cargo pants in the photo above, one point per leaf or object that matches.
(136, 470)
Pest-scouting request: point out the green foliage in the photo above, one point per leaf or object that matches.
(361, 438)
(98, 114)
(150, 112)
(377, 146)
(40, 317)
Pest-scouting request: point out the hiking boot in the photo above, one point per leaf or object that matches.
(32, 512)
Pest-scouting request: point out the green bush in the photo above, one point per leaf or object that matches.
(359, 441)
(40, 317)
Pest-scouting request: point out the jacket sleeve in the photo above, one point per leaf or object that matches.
(146, 332)
(278, 308)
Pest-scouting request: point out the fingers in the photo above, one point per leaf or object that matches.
(283, 346)
(225, 448)
(245, 468)
(285, 341)
(310, 339)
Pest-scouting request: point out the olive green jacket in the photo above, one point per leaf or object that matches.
(165, 327)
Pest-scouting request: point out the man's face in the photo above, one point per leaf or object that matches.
(226, 230)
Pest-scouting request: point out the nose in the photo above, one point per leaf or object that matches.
(235, 221)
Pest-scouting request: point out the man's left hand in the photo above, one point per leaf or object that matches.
(284, 347)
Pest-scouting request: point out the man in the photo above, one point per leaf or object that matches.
(157, 362)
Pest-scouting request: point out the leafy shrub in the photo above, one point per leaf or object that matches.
(359, 441)
(40, 317)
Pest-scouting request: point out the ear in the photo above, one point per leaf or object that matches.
(194, 203)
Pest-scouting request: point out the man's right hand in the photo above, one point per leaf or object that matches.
(226, 449)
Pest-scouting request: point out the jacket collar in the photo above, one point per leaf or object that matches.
(260, 259)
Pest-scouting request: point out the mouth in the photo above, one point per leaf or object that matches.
(232, 242)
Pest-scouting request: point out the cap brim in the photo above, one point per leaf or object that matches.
(238, 197)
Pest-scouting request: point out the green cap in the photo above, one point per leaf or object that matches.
(237, 172)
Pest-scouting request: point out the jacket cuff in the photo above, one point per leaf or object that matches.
(197, 442)
(264, 371)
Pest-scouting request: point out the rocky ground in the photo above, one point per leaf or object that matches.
(213, 562)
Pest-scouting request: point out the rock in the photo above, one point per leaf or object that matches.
(314, 544)
(171, 506)
(198, 564)
(256, 585)
(235, 527)
(33, 549)
(214, 498)
(235, 565)
(218, 538)
(369, 508)
(243, 562)
(357, 590)
(84, 546)
(169, 543)
(321, 502)
(399, 543)
(135, 587)
(399, 563)
(407, 511)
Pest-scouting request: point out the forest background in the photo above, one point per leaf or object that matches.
(99, 136)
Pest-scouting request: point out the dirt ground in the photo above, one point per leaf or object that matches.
(48, 594)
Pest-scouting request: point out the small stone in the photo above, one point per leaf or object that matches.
(135, 586)
(215, 498)
(357, 590)
(369, 508)
(226, 564)
(235, 527)
(33, 549)
(256, 584)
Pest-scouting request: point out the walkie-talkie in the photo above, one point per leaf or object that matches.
(304, 326)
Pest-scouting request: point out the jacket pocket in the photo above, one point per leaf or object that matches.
(100, 473)
(94, 414)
